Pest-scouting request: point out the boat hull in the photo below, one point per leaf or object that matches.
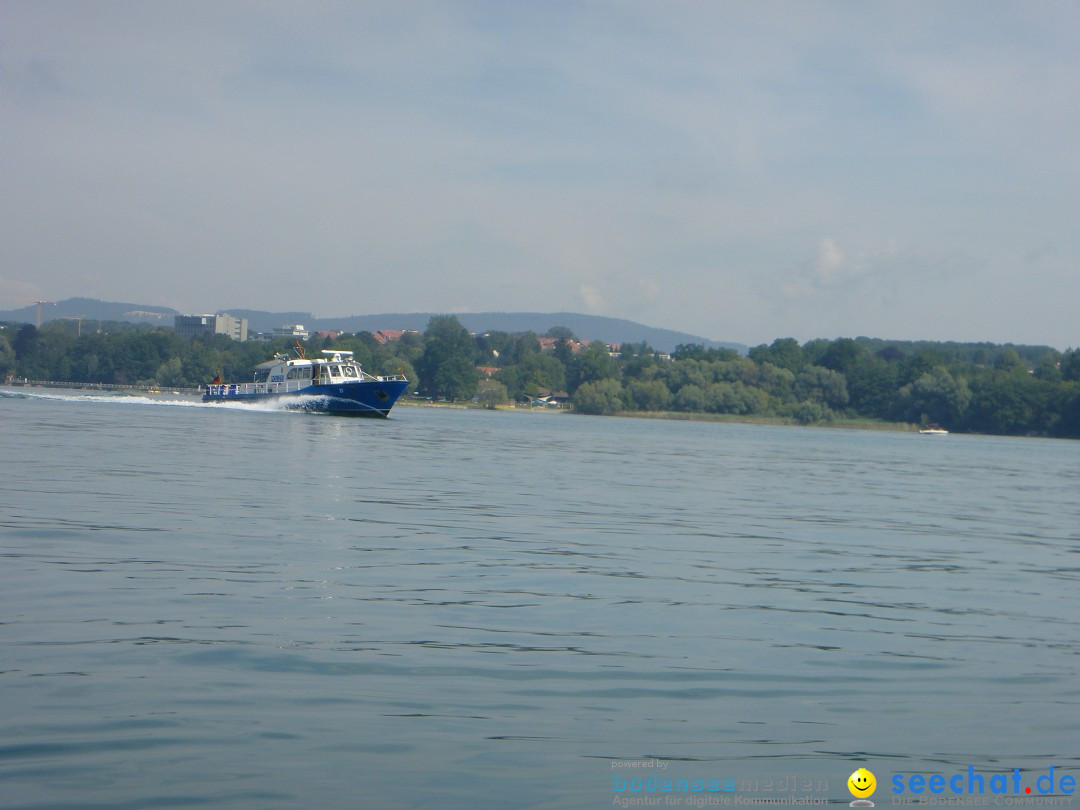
(372, 398)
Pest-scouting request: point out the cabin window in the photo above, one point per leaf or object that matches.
(294, 373)
(335, 371)
(262, 376)
(350, 371)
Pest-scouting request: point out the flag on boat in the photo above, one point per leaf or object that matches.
(216, 380)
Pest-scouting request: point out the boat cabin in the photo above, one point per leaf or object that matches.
(336, 381)
(285, 373)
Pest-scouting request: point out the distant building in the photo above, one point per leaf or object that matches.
(191, 326)
(548, 344)
(551, 399)
(384, 336)
(293, 331)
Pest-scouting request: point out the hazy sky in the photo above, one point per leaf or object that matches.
(738, 170)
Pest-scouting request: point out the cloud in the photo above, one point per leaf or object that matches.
(831, 264)
(592, 299)
(704, 166)
(648, 288)
(830, 267)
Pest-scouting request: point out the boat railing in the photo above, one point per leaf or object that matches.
(290, 386)
(361, 376)
(239, 389)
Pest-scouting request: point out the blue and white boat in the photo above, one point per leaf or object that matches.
(335, 384)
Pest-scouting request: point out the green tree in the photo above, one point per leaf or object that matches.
(1006, 403)
(918, 364)
(591, 365)
(807, 412)
(406, 370)
(26, 340)
(518, 347)
(735, 398)
(777, 382)
(564, 353)
(936, 396)
(599, 397)
(1070, 365)
(690, 398)
(7, 357)
(738, 370)
(409, 345)
(1008, 360)
(535, 372)
(681, 373)
(399, 357)
(649, 395)
(492, 346)
(447, 366)
(363, 351)
(814, 351)
(782, 353)
(562, 333)
(1068, 423)
(872, 387)
(817, 384)
(171, 373)
(696, 351)
(490, 393)
(205, 359)
(891, 354)
(842, 355)
(1048, 368)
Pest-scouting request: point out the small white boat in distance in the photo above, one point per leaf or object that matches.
(934, 429)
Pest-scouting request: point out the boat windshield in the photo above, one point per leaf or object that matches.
(350, 371)
(262, 376)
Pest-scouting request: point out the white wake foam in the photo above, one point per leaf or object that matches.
(267, 405)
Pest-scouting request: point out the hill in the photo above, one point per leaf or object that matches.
(91, 309)
(586, 327)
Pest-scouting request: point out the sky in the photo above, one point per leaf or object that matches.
(742, 171)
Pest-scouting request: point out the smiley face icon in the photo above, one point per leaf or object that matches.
(862, 783)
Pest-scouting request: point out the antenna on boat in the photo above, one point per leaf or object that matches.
(299, 350)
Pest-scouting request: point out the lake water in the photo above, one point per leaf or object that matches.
(219, 607)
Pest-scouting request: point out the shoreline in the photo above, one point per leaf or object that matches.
(783, 421)
(681, 416)
(676, 416)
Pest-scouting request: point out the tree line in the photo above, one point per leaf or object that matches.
(144, 355)
(982, 388)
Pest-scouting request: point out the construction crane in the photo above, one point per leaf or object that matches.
(78, 322)
(30, 301)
